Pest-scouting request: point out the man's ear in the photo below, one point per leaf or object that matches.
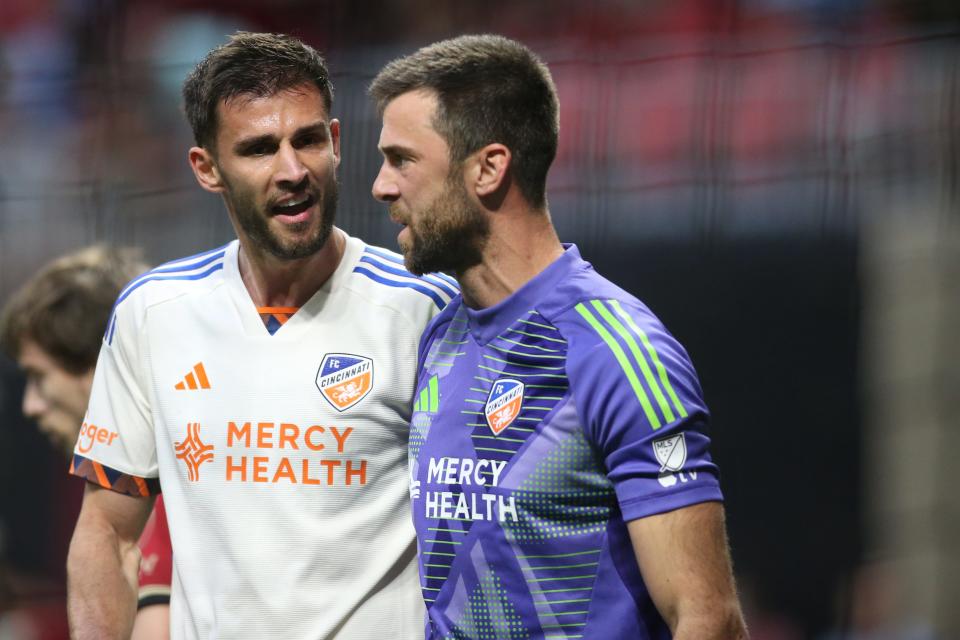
(204, 167)
(335, 139)
(492, 165)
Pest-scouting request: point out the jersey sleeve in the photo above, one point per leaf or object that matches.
(641, 405)
(156, 559)
(116, 447)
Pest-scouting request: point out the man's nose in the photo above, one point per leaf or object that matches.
(290, 171)
(34, 404)
(384, 186)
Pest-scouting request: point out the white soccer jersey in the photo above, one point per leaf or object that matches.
(282, 458)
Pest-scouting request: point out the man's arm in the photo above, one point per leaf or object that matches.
(152, 623)
(156, 565)
(102, 564)
(685, 563)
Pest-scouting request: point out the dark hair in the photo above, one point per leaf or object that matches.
(489, 89)
(250, 64)
(64, 308)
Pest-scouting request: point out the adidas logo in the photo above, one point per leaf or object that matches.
(429, 399)
(196, 379)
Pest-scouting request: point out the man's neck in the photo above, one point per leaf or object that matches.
(517, 250)
(289, 283)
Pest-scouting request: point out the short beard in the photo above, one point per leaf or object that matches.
(450, 234)
(255, 224)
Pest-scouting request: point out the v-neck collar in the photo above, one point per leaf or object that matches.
(249, 313)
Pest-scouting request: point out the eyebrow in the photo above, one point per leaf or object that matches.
(397, 150)
(246, 143)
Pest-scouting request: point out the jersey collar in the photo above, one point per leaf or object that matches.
(487, 324)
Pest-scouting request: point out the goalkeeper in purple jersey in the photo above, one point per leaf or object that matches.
(561, 479)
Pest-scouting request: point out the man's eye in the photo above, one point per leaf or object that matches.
(309, 141)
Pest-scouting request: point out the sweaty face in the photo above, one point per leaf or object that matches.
(277, 158)
(444, 230)
(54, 398)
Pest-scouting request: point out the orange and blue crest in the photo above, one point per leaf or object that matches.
(503, 404)
(345, 379)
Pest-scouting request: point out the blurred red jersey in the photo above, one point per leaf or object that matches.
(156, 559)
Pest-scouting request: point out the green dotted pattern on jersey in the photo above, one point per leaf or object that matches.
(489, 614)
(567, 494)
(418, 434)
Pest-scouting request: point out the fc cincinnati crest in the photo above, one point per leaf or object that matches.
(503, 404)
(345, 379)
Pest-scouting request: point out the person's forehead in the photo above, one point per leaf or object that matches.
(32, 356)
(408, 121)
(412, 109)
(246, 112)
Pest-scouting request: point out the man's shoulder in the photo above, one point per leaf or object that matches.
(176, 277)
(586, 301)
(381, 276)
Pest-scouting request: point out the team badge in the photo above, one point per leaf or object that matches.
(503, 404)
(344, 379)
(671, 452)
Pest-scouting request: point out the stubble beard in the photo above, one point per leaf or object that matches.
(255, 224)
(449, 235)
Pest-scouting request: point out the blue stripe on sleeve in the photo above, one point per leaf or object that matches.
(392, 257)
(406, 274)
(143, 281)
(180, 265)
(409, 284)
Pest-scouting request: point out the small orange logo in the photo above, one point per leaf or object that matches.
(196, 379)
(193, 451)
(503, 404)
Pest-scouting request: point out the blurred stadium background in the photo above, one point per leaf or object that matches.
(778, 179)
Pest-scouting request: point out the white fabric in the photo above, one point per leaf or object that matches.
(278, 554)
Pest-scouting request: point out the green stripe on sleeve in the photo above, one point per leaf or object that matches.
(424, 401)
(434, 394)
(638, 356)
(661, 370)
(624, 364)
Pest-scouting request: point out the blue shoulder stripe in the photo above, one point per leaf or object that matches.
(393, 257)
(203, 254)
(157, 275)
(177, 266)
(403, 273)
(386, 255)
(409, 284)
(149, 278)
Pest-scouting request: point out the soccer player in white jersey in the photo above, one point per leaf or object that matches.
(264, 386)
(561, 479)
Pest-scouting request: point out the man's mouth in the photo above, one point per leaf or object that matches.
(292, 207)
(396, 219)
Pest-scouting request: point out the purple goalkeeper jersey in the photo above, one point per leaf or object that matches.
(540, 427)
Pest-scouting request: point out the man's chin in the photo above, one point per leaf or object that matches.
(296, 246)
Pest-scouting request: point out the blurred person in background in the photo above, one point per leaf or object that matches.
(561, 477)
(267, 384)
(53, 327)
